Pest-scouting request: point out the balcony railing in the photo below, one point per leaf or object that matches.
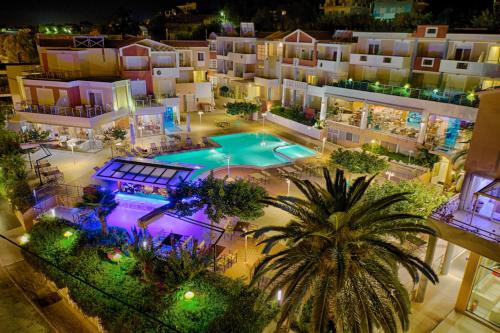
(81, 111)
(424, 94)
(447, 213)
(145, 102)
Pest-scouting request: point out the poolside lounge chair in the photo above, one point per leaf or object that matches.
(282, 173)
(205, 141)
(189, 142)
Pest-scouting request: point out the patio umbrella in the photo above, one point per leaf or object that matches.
(132, 134)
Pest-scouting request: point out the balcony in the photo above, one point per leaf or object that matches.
(166, 72)
(333, 66)
(300, 62)
(465, 228)
(242, 58)
(296, 85)
(146, 106)
(427, 64)
(469, 68)
(77, 116)
(268, 82)
(395, 62)
(423, 94)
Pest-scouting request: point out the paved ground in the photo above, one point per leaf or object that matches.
(78, 170)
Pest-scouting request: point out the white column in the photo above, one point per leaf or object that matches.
(269, 93)
(364, 117)
(448, 257)
(324, 106)
(429, 258)
(423, 127)
(283, 92)
(305, 102)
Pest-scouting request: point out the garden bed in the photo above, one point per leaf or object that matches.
(219, 304)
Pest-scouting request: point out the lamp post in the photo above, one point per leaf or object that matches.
(200, 113)
(288, 182)
(72, 146)
(141, 128)
(228, 158)
(323, 146)
(246, 244)
(389, 174)
(409, 156)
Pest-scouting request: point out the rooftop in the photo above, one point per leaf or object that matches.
(186, 43)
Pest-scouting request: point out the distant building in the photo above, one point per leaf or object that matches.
(388, 9)
(346, 7)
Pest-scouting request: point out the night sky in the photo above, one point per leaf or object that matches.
(15, 12)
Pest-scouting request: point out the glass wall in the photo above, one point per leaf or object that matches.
(394, 121)
(484, 300)
(150, 124)
(447, 133)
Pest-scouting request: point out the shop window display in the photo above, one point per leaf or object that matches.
(150, 124)
(484, 300)
(448, 134)
(399, 122)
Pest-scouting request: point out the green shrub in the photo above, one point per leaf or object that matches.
(242, 108)
(220, 304)
(292, 113)
(357, 162)
(422, 158)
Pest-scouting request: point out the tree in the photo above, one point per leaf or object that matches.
(219, 199)
(20, 47)
(485, 20)
(182, 265)
(342, 255)
(116, 133)
(102, 201)
(122, 23)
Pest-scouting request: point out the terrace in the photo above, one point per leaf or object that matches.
(406, 91)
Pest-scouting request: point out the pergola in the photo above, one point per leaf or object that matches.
(144, 172)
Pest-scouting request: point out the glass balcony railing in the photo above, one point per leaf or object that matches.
(81, 111)
(405, 91)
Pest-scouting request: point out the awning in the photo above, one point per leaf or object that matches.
(144, 171)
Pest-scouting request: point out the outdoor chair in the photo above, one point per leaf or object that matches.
(189, 142)
(163, 147)
(205, 141)
(154, 149)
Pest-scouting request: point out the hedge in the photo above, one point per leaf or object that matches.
(357, 162)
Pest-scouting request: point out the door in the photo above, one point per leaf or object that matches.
(462, 54)
(95, 98)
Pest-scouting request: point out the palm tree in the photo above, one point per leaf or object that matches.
(102, 201)
(341, 257)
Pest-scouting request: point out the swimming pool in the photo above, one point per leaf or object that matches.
(253, 149)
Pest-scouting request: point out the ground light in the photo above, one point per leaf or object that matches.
(189, 295)
(68, 234)
(24, 239)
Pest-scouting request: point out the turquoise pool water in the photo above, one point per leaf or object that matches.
(254, 149)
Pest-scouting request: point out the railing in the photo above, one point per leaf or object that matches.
(81, 111)
(151, 102)
(56, 75)
(446, 213)
(424, 94)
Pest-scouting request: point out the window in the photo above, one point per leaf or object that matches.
(261, 52)
(351, 137)
(363, 58)
(462, 65)
(462, 53)
(431, 32)
(387, 60)
(201, 56)
(427, 62)
(212, 64)
(373, 48)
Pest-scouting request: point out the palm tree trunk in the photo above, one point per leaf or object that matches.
(104, 225)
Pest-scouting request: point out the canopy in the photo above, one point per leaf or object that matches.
(144, 171)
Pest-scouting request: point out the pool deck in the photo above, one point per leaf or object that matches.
(78, 170)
